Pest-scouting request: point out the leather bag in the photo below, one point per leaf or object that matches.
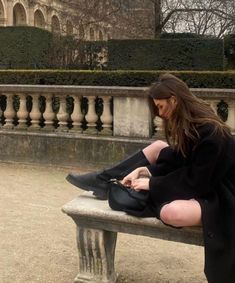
(124, 198)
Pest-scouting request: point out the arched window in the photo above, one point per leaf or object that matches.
(19, 15)
(55, 24)
(101, 37)
(69, 28)
(39, 20)
(81, 32)
(92, 34)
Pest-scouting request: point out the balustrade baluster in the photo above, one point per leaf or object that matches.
(22, 113)
(231, 115)
(35, 113)
(106, 117)
(9, 113)
(91, 116)
(62, 115)
(49, 114)
(77, 115)
(158, 129)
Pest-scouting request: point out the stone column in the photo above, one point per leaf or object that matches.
(96, 256)
(77, 115)
(9, 11)
(9, 113)
(35, 113)
(30, 14)
(91, 116)
(22, 113)
(106, 117)
(62, 115)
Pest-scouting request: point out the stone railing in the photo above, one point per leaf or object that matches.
(112, 111)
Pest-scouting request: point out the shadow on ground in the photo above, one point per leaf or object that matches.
(38, 240)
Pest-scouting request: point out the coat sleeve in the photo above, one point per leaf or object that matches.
(195, 179)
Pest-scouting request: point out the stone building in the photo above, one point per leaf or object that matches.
(52, 15)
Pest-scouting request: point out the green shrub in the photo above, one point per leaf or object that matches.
(34, 48)
(115, 78)
(166, 54)
(24, 47)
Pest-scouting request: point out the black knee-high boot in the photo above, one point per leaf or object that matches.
(98, 181)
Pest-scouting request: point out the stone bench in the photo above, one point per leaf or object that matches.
(97, 226)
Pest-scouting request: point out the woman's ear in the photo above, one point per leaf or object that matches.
(173, 100)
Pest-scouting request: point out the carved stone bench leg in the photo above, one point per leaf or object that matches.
(96, 256)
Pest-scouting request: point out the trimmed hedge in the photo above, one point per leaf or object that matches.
(229, 50)
(166, 54)
(115, 78)
(34, 48)
(24, 47)
(173, 35)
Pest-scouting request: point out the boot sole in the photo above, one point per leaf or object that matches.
(100, 194)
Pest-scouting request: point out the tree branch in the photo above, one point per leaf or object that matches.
(217, 12)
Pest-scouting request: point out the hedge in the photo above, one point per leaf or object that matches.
(115, 78)
(24, 47)
(30, 47)
(174, 35)
(172, 54)
(229, 50)
(34, 48)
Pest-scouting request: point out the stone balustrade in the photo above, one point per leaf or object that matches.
(108, 111)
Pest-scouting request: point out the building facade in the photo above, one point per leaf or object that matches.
(53, 15)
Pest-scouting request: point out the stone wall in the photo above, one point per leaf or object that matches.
(62, 150)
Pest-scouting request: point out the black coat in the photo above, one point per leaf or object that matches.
(208, 175)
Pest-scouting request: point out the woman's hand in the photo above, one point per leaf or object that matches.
(140, 184)
(140, 171)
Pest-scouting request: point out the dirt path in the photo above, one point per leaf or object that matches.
(38, 240)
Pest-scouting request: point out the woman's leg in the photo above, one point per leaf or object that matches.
(181, 213)
(152, 151)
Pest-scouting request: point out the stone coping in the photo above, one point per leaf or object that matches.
(78, 90)
(115, 91)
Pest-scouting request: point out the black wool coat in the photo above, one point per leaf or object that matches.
(207, 174)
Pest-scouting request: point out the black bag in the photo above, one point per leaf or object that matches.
(123, 198)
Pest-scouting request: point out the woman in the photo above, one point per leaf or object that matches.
(192, 181)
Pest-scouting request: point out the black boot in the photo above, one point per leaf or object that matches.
(98, 182)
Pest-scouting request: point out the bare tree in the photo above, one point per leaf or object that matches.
(214, 17)
(202, 17)
(84, 13)
(149, 18)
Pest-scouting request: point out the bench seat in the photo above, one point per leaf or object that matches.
(97, 227)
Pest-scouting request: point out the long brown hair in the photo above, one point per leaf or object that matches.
(190, 112)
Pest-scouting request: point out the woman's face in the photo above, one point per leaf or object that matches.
(166, 107)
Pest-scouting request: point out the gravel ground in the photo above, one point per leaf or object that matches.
(38, 240)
